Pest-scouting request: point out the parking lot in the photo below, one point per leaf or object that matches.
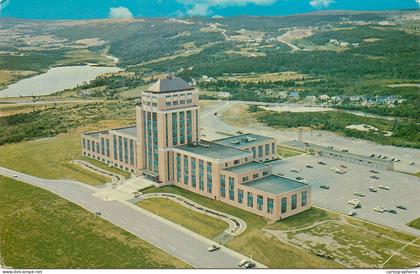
(403, 189)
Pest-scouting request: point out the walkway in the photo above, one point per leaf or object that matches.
(91, 167)
(236, 225)
(171, 238)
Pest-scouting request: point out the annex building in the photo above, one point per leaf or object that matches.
(166, 146)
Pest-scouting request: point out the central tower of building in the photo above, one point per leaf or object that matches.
(168, 117)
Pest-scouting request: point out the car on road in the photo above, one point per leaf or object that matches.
(373, 171)
(98, 213)
(383, 187)
(309, 166)
(294, 170)
(213, 248)
(15, 176)
(379, 209)
(322, 163)
(372, 155)
(354, 202)
(300, 178)
(374, 177)
(324, 187)
(351, 213)
(279, 174)
(246, 264)
(402, 207)
(393, 211)
(412, 163)
(372, 189)
(359, 194)
(239, 132)
(343, 166)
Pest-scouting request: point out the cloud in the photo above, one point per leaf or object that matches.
(418, 3)
(203, 7)
(120, 12)
(320, 4)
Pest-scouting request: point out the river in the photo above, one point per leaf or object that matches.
(54, 80)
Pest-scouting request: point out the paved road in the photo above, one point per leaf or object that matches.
(213, 124)
(175, 240)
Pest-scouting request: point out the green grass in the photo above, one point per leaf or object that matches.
(41, 230)
(204, 225)
(415, 223)
(106, 167)
(263, 247)
(286, 153)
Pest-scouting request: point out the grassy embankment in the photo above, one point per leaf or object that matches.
(41, 230)
(205, 225)
(415, 223)
(370, 244)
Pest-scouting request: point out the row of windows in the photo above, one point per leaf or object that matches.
(186, 179)
(181, 125)
(263, 148)
(303, 201)
(180, 102)
(100, 148)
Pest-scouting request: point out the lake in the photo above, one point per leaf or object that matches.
(54, 80)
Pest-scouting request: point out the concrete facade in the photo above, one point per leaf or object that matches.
(166, 146)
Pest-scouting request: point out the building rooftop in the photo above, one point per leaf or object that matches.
(214, 150)
(242, 140)
(95, 134)
(244, 168)
(170, 85)
(275, 184)
(132, 130)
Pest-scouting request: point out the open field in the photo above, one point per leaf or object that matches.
(41, 230)
(238, 115)
(286, 152)
(316, 229)
(205, 225)
(263, 247)
(265, 77)
(50, 157)
(415, 223)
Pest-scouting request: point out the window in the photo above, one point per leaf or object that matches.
(260, 202)
(182, 127)
(209, 177)
(107, 148)
(222, 186)
(114, 138)
(120, 149)
(284, 205)
(294, 201)
(273, 148)
(231, 188)
(270, 205)
(189, 101)
(88, 144)
(178, 167)
(175, 103)
(186, 170)
(97, 148)
(125, 150)
(181, 102)
(236, 162)
(255, 175)
(254, 153)
(260, 151)
(84, 143)
(265, 173)
(174, 129)
(267, 149)
(193, 173)
(132, 152)
(240, 196)
(201, 175)
(304, 200)
(168, 104)
(189, 126)
(250, 200)
(244, 179)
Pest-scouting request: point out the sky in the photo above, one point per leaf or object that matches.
(90, 9)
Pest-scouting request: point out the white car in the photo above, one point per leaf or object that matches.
(213, 248)
(15, 176)
(379, 209)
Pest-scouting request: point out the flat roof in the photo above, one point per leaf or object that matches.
(132, 130)
(275, 184)
(244, 168)
(213, 150)
(243, 140)
(95, 134)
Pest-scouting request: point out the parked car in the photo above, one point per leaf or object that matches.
(15, 176)
(372, 189)
(374, 171)
(374, 177)
(213, 248)
(343, 166)
(359, 194)
(351, 213)
(294, 170)
(354, 202)
(393, 211)
(322, 163)
(372, 155)
(300, 178)
(309, 166)
(402, 207)
(379, 209)
(324, 187)
(246, 264)
(383, 187)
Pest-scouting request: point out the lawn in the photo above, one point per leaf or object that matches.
(41, 230)
(263, 247)
(286, 152)
(415, 223)
(238, 116)
(204, 225)
(50, 157)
